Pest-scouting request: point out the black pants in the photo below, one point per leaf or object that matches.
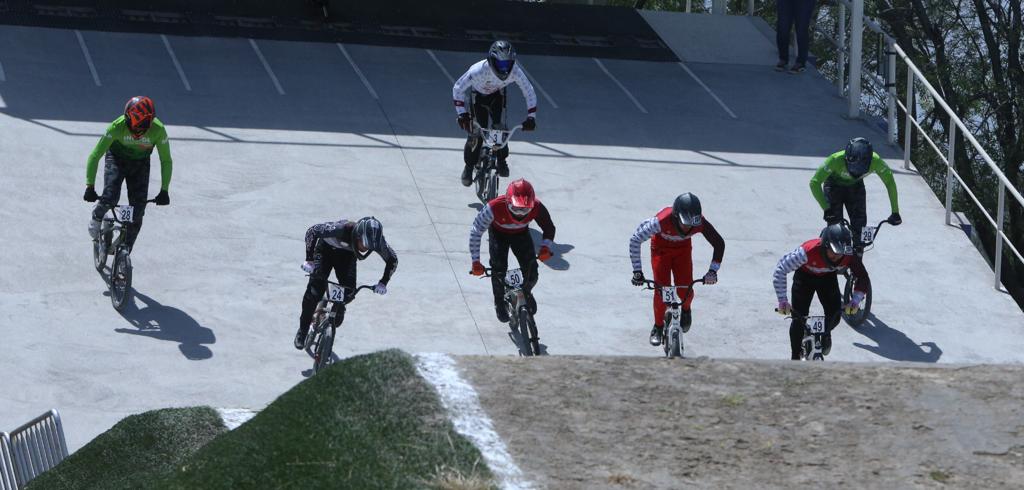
(522, 247)
(793, 12)
(853, 197)
(487, 110)
(135, 174)
(325, 259)
(831, 299)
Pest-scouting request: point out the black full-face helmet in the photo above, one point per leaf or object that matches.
(686, 210)
(858, 157)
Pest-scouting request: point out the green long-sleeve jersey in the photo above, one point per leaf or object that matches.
(119, 140)
(835, 168)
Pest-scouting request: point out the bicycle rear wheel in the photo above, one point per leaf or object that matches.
(674, 343)
(121, 280)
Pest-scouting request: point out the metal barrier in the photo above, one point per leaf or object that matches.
(7, 479)
(38, 446)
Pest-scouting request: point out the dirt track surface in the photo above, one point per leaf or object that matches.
(617, 422)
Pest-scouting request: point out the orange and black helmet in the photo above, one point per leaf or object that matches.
(139, 113)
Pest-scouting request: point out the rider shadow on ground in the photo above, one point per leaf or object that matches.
(558, 250)
(308, 373)
(517, 339)
(168, 323)
(895, 345)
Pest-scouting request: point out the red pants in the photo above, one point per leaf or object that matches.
(672, 266)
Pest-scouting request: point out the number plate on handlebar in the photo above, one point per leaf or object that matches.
(867, 235)
(124, 214)
(669, 295)
(335, 293)
(816, 324)
(514, 278)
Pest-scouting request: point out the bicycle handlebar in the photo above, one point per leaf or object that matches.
(651, 286)
(480, 130)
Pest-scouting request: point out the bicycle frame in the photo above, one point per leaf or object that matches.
(811, 337)
(493, 140)
(323, 338)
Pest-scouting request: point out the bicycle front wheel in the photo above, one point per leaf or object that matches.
(324, 347)
(99, 254)
(121, 280)
(674, 343)
(856, 319)
(523, 324)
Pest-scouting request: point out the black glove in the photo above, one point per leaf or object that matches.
(464, 122)
(830, 217)
(895, 219)
(162, 199)
(638, 278)
(529, 124)
(90, 194)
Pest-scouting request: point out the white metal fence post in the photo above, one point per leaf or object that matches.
(841, 42)
(949, 171)
(750, 7)
(718, 7)
(1000, 216)
(856, 55)
(688, 5)
(890, 84)
(8, 480)
(908, 129)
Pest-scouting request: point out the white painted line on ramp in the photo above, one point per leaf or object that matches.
(266, 66)
(539, 88)
(359, 72)
(469, 418)
(88, 58)
(701, 82)
(234, 417)
(3, 76)
(439, 65)
(177, 66)
(623, 87)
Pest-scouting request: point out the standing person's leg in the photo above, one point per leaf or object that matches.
(113, 176)
(522, 248)
(803, 11)
(498, 246)
(831, 301)
(137, 183)
(802, 293)
(783, 24)
(315, 290)
(856, 207)
(661, 265)
(682, 273)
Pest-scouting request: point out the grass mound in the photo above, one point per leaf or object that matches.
(136, 450)
(366, 422)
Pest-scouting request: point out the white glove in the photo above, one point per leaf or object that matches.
(380, 289)
(308, 267)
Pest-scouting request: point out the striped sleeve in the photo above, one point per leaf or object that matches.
(528, 93)
(644, 232)
(480, 224)
(787, 264)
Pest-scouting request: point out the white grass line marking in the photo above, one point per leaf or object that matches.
(88, 58)
(463, 406)
(623, 87)
(359, 72)
(234, 417)
(540, 89)
(701, 82)
(177, 66)
(266, 66)
(439, 65)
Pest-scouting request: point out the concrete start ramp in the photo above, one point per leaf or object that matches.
(270, 137)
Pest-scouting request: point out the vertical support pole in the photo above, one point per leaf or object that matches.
(949, 171)
(841, 42)
(856, 55)
(890, 83)
(718, 7)
(688, 5)
(998, 258)
(750, 8)
(908, 130)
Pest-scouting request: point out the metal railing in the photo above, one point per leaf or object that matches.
(38, 446)
(885, 75)
(7, 479)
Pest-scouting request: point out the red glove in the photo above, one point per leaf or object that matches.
(544, 254)
(478, 268)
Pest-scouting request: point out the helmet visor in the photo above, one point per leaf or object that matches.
(519, 210)
(841, 248)
(504, 66)
(687, 219)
